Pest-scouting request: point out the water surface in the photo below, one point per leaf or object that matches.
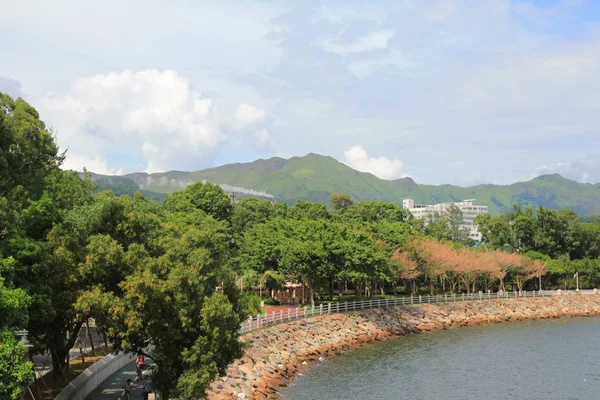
(544, 359)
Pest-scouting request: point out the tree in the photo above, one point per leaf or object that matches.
(303, 253)
(249, 212)
(377, 211)
(183, 301)
(15, 373)
(201, 196)
(455, 219)
(405, 267)
(27, 148)
(308, 210)
(495, 231)
(437, 227)
(341, 201)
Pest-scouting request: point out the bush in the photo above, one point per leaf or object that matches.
(271, 302)
(250, 304)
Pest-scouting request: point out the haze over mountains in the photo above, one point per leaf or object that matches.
(314, 177)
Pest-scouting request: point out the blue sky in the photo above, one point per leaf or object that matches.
(461, 92)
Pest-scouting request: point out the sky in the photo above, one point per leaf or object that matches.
(460, 92)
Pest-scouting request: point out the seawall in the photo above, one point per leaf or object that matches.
(275, 355)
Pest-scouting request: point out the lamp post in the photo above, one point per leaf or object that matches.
(577, 276)
(24, 340)
(260, 282)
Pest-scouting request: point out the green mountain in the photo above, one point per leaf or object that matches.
(314, 177)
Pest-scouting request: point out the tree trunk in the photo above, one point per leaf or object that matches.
(331, 289)
(90, 337)
(430, 284)
(60, 352)
(81, 351)
(59, 364)
(312, 292)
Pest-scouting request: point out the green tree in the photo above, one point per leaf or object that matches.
(455, 219)
(15, 373)
(183, 301)
(341, 201)
(377, 211)
(308, 210)
(249, 212)
(495, 231)
(437, 227)
(202, 196)
(27, 148)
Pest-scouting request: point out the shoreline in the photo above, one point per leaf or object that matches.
(276, 354)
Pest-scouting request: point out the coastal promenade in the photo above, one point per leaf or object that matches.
(288, 340)
(276, 354)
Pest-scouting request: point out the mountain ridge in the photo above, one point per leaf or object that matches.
(314, 177)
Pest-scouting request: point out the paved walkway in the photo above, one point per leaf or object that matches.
(112, 388)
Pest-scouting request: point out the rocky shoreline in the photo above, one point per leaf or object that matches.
(275, 355)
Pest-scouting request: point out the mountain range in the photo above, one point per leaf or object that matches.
(314, 177)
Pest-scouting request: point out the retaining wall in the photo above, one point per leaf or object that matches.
(94, 375)
(275, 355)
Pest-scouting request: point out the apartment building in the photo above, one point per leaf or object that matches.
(468, 209)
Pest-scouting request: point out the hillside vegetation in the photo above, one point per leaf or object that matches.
(315, 177)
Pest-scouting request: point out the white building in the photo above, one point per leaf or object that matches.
(468, 209)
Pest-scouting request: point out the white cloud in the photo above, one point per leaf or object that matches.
(585, 170)
(376, 40)
(264, 139)
(382, 167)
(153, 115)
(95, 164)
(247, 115)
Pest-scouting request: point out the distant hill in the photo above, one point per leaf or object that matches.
(121, 185)
(314, 177)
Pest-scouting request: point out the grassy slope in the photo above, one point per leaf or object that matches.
(314, 177)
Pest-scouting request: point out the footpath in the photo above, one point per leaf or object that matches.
(112, 388)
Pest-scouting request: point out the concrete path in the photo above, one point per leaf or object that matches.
(112, 388)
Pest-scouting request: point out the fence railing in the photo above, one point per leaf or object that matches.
(290, 314)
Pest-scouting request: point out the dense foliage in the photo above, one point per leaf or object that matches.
(148, 274)
(15, 374)
(174, 280)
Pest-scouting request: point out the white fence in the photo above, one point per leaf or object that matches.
(290, 314)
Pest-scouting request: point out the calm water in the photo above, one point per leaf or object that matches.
(549, 359)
